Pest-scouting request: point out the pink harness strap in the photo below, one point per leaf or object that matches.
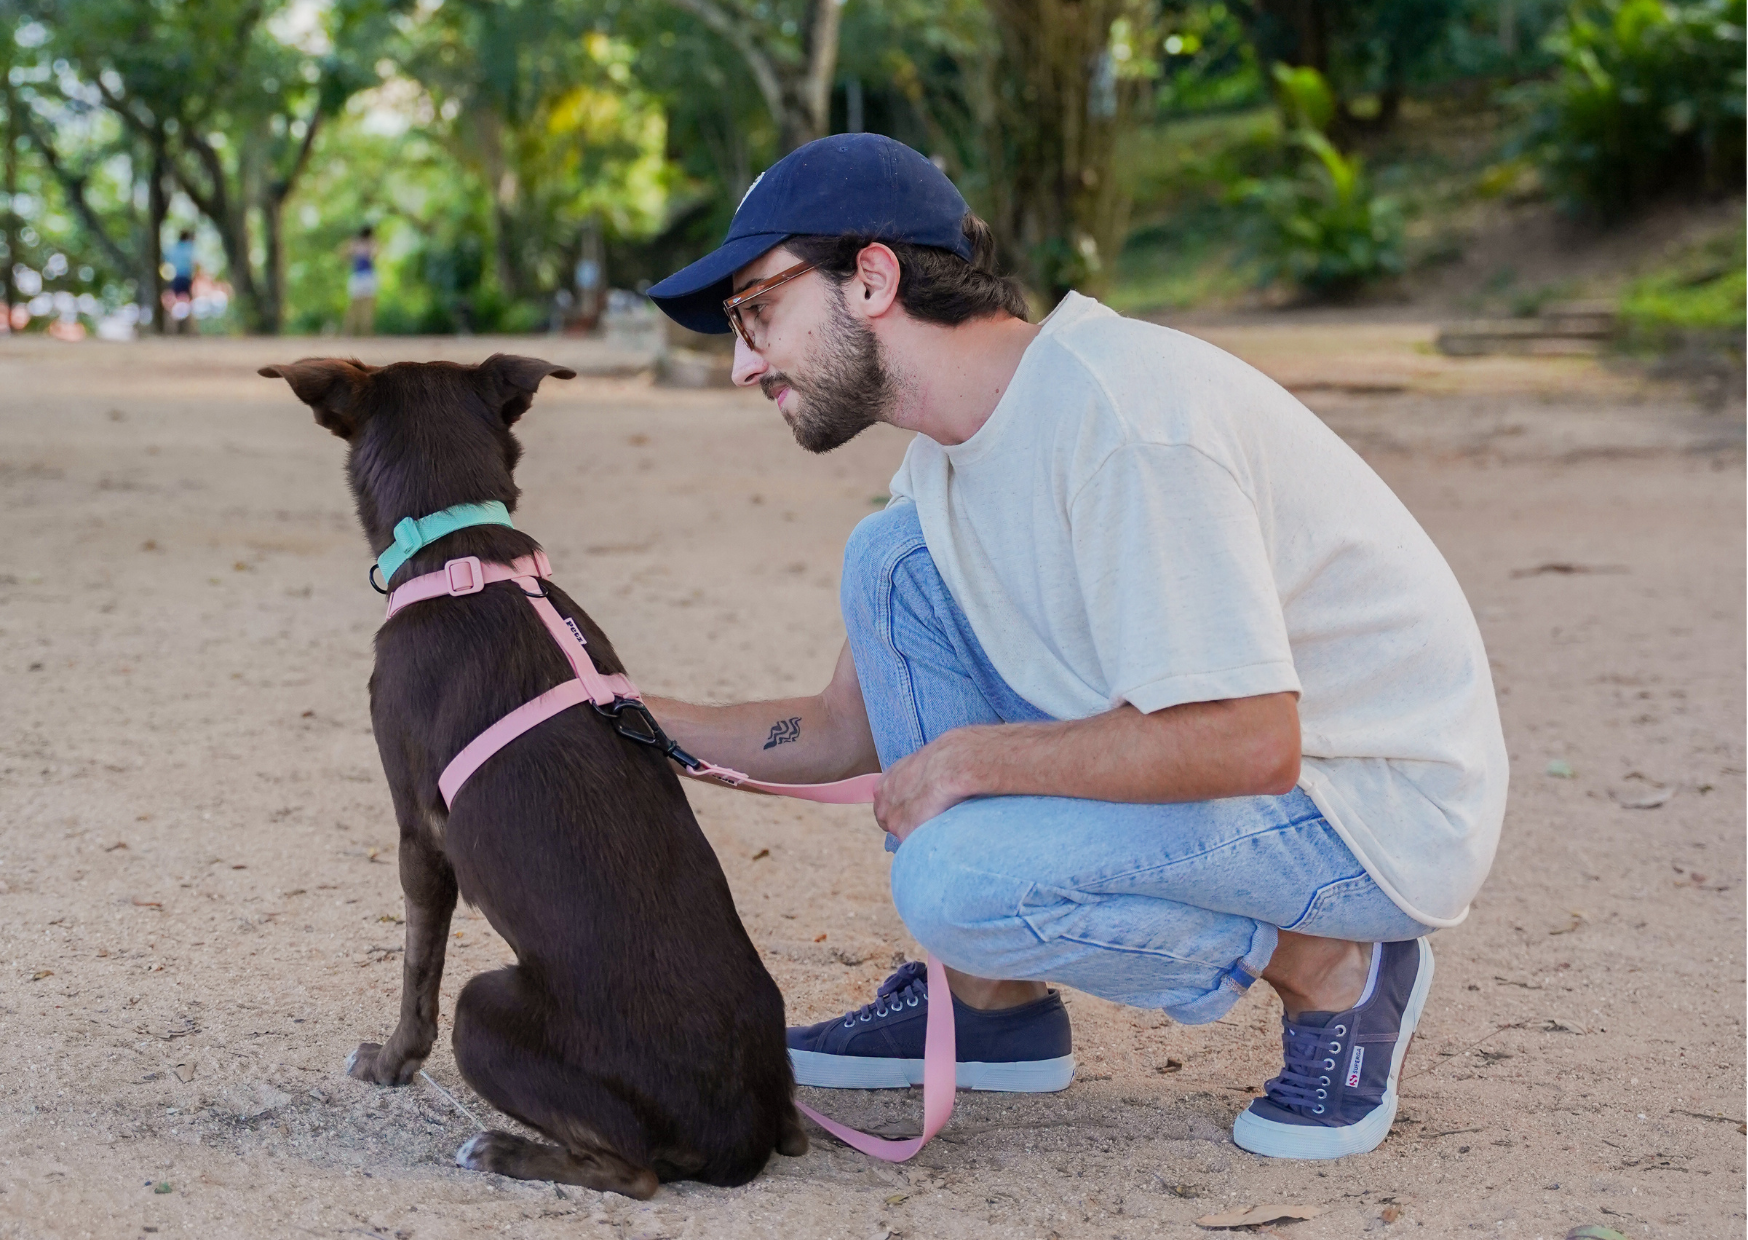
(468, 575)
(465, 576)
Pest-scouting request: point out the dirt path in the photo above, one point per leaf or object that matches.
(198, 896)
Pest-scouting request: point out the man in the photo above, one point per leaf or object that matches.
(1170, 692)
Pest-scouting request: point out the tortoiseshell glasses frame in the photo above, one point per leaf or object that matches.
(732, 306)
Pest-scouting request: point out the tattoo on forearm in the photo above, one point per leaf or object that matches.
(784, 731)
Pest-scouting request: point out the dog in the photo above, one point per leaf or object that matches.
(638, 1029)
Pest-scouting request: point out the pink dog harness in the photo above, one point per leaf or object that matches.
(619, 701)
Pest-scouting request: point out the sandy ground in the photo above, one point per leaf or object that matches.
(199, 906)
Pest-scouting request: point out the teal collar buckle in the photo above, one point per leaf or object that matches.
(414, 533)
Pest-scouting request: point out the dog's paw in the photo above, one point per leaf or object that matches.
(369, 1063)
(482, 1151)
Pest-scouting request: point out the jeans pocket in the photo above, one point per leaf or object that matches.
(1356, 909)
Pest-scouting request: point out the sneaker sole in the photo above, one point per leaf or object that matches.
(1038, 1076)
(1273, 1140)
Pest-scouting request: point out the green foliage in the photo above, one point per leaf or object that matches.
(1648, 99)
(1320, 225)
(1183, 244)
(1323, 228)
(1305, 99)
(1208, 63)
(1369, 51)
(1701, 292)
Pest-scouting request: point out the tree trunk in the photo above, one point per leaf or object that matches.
(13, 129)
(1295, 32)
(816, 78)
(273, 270)
(797, 90)
(1056, 109)
(152, 252)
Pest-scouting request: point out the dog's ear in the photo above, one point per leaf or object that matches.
(508, 383)
(328, 385)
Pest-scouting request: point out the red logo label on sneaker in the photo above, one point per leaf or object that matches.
(1353, 1067)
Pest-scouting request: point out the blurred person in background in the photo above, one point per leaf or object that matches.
(179, 300)
(361, 285)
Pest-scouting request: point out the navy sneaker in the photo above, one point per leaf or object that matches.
(1337, 1093)
(1023, 1050)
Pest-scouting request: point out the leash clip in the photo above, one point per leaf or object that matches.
(644, 729)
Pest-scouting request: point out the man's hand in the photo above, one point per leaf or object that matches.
(926, 783)
(1200, 751)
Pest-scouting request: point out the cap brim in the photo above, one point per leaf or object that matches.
(693, 296)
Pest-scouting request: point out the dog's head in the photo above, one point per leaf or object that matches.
(422, 435)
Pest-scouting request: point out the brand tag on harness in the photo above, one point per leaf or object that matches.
(575, 631)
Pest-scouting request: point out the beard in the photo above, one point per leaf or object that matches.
(848, 387)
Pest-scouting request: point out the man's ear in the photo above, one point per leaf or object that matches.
(508, 383)
(328, 385)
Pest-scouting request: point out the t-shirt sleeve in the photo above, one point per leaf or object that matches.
(1179, 590)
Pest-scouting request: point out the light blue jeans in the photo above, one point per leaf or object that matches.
(1165, 906)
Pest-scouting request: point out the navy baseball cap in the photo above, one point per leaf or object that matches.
(852, 184)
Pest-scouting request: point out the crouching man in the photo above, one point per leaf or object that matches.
(1170, 691)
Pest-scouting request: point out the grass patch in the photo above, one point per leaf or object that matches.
(1701, 291)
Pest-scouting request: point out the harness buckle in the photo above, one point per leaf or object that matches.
(465, 576)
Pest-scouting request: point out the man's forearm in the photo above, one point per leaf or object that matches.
(788, 740)
(802, 740)
(1200, 751)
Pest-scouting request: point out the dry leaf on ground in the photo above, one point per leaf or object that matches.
(1251, 1216)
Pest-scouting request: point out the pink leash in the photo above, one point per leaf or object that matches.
(615, 696)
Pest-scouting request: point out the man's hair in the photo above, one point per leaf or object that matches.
(934, 285)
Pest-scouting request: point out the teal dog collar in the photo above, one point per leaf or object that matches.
(414, 533)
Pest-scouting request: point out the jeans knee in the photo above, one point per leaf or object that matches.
(874, 546)
(951, 911)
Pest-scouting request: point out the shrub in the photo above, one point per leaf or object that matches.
(1648, 99)
(1320, 225)
(1701, 297)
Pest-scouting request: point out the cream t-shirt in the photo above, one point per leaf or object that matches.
(1146, 519)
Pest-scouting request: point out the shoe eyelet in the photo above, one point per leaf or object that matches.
(1327, 1063)
(880, 1013)
(1323, 1080)
(1317, 1110)
(911, 1002)
(850, 1021)
(865, 1018)
(1336, 1047)
(1341, 1031)
(1323, 1093)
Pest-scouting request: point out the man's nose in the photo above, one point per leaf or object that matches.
(748, 365)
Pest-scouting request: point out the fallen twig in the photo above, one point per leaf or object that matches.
(1516, 1024)
(1715, 1118)
(453, 1101)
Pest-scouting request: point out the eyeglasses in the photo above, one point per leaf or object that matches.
(732, 306)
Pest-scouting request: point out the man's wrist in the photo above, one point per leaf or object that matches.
(968, 767)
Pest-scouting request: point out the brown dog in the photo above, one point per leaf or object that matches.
(638, 1029)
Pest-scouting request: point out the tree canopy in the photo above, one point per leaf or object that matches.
(498, 146)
